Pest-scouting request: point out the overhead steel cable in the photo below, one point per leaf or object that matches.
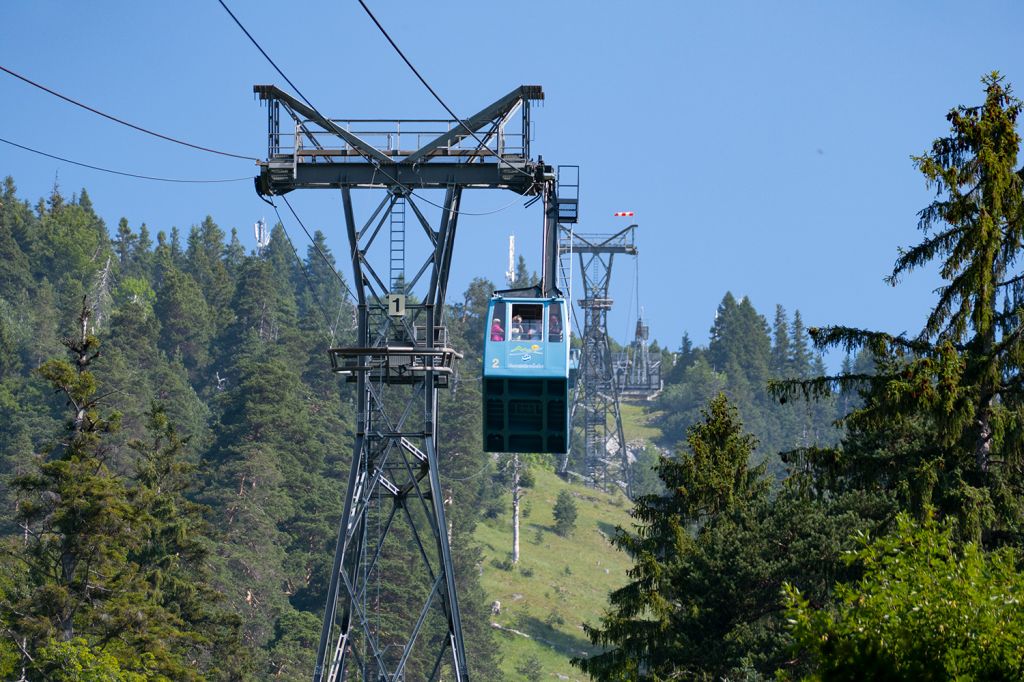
(469, 213)
(634, 290)
(455, 479)
(124, 173)
(348, 292)
(267, 57)
(115, 119)
(380, 169)
(434, 92)
(332, 329)
(323, 256)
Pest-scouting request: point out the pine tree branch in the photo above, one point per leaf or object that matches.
(1010, 282)
(1008, 341)
(20, 642)
(1014, 383)
(851, 339)
(16, 555)
(941, 312)
(924, 252)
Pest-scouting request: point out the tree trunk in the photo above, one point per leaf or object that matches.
(515, 508)
(990, 379)
(448, 498)
(983, 444)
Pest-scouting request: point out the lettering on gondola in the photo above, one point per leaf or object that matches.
(526, 355)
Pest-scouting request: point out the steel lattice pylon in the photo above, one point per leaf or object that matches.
(393, 528)
(637, 374)
(605, 458)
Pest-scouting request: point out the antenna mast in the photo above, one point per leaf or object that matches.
(510, 274)
(262, 234)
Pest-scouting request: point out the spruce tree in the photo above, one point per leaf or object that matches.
(125, 242)
(109, 564)
(800, 358)
(942, 419)
(640, 633)
(15, 217)
(186, 321)
(564, 513)
(276, 501)
(780, 346)
(680, 403)
(234, 254)
(204, 260)
(75, 514)
(141, 259)
(523, 277)
(174, 246)
(189, 630)
(740, 348)
(710, 557)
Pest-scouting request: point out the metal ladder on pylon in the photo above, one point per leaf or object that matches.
(398, 245)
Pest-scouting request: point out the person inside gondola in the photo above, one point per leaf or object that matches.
(554, 326)
(516, 330)
(497, 332)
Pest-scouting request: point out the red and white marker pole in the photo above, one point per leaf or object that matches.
(623, 214)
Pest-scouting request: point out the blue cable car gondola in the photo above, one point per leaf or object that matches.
(526, 375)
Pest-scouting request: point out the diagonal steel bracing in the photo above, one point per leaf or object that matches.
(392, 610)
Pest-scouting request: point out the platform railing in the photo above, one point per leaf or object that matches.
(393, 138)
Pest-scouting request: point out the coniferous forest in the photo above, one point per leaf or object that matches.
(173, 452)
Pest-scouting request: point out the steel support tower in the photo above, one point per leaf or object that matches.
(393, 526)
(637, 374)
(605, 458)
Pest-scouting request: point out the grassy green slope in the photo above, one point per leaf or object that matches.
(543, 602)
(636, 422)
(559, 583)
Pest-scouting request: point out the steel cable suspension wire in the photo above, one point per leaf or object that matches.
(636, 260)
(634, 289)
(344, 285)
(636, 285)
(434, 93)
(454, 479)
(460, 212)
(569, 279)
(572, 303)
(267, 56)
(379, 168)
(117, 172)
(309, 282)
(115, 119)
(341, 280)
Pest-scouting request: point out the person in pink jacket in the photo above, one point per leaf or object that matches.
(497, 333)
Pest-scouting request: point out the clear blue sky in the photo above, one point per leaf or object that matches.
(763, 145)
